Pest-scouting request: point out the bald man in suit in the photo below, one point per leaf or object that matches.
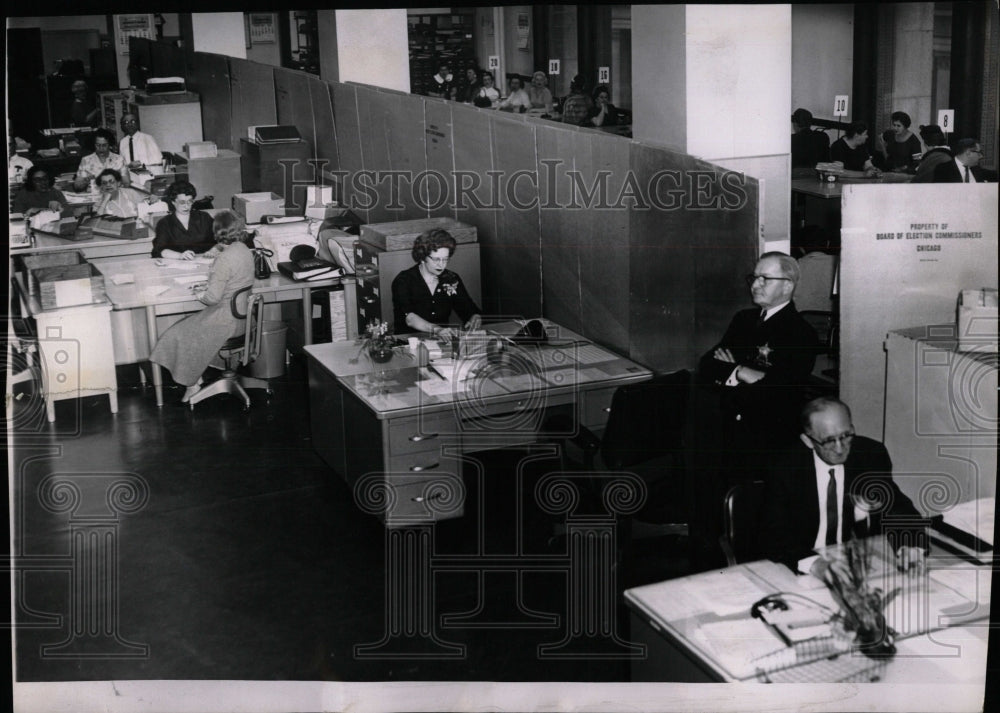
(837, 488)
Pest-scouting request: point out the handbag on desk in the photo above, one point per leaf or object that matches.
(261, 270)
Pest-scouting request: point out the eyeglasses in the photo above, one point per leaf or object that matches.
(843, 438)
(183, 201)
(439, 260)
(766, 278)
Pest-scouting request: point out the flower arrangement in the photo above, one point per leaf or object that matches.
(862, 607)
(377, 341)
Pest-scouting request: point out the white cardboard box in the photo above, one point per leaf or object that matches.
(254, 206)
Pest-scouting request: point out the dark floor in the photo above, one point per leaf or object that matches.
(240, 555)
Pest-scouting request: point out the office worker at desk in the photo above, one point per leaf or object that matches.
(838, 487)
(185, 232)
(192, 345)
(424, 296)
(139, 149)
(91, 165)
(38, 193)
(851, 149)
(114, 200)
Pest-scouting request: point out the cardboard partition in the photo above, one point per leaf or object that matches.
(406, 138)
(211, 80)
(907, 251)
(345, 115)
(251, 87)
(325, 126)
(519, 261)
(292, 97)
(166, 60)
(372, 109)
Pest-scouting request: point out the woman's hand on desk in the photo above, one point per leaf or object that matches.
(175, 255)
(475, 322)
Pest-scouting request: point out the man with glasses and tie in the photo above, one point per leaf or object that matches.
(965, 166)
(138, 149)
(838, 487)
(749, 395)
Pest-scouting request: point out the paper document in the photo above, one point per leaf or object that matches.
(739, 645)
(189, 279)
(123, 278)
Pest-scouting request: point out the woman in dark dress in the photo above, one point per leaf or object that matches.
(186, 232)
(424, 296)
(900, 148)
(37, 193)
(851, 149)
(603, 113)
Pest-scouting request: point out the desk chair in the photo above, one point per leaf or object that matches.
(741, 522)
(645, 436)
(239, 351)
(815, 302)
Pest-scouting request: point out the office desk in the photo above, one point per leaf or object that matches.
(155, 290)
(408, 426)
(96, 247)
(699, 628)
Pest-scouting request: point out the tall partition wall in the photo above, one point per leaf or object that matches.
(637, 247)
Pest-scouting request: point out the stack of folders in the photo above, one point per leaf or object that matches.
(312, 268)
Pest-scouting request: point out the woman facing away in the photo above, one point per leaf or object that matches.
(192, 345)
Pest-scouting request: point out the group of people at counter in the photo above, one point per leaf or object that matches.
(479, 88)
(927, 158)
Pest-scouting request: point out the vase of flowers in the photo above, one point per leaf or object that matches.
(378, 341)
(862, 606)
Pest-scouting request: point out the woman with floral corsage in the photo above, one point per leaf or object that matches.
(424, 296)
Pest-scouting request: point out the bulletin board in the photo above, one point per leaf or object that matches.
(907, 251)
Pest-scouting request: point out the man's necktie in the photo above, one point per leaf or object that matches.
(760, 317)
(831, 510)
(966, 174)
(131, 150)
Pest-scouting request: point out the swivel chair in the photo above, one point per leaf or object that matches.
(237, 352)
(741, 522)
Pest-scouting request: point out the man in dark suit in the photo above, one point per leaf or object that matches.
(763, 360)
(838, 487)
(965, 167)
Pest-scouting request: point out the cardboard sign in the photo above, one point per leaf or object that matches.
(494, 62)
(946, 120)
(840, 105)
(553, 67)
(603, 75)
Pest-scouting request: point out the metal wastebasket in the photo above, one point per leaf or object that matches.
(271, 360)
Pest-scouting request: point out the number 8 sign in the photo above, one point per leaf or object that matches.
(946, 120)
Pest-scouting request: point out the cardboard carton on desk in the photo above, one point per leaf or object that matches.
(69, 285)
(401, 234)
(29, 263)
(254, 206)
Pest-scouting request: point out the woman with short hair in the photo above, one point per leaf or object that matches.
(192, 345)
(185, 233)
(900, 149)
(38, 193)
(424, 296)
(114, 199)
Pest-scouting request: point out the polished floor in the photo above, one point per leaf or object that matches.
(166, 543)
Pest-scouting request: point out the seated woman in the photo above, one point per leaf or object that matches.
(114, 199)
(91, 165)
(186, 232)
(577, 104)
(472, 85)
(603, 113)
(192, 345)
(517, 100)
(900, 148)
(851, 149)
(38, 193)
(488, 95)
(538, 92)
(424, 296)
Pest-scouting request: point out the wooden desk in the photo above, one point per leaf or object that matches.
(699, 628)
(155, 290)
(409, 426)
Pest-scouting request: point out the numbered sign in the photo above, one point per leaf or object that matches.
(603, 75)
(494, 62)
(946, 120)
(840, 105)
(553, 66)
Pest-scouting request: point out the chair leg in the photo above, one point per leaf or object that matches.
(252, 382)
(227, 384)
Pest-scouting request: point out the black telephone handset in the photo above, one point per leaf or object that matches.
(531, 333)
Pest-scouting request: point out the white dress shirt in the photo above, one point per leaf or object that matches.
(144, 149)
(17, 168)
(962, 168)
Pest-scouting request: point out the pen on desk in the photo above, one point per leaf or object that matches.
(439, 374)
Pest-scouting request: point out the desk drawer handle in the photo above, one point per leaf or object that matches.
(419, 438)
(422, 468)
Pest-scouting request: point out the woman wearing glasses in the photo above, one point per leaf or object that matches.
(186, 232)
(38, 193)
(114, 200)
(424, 296)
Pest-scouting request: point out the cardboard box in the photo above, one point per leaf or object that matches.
(254, 206)
(201, 149)
(977, 320)
(401, 234)
(30, 263)
(69, 285)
